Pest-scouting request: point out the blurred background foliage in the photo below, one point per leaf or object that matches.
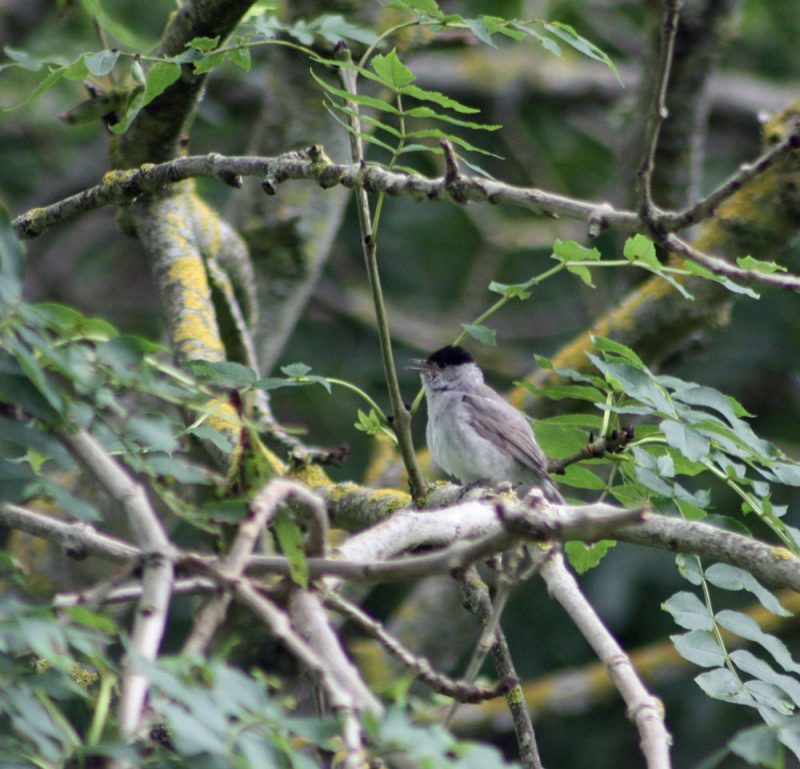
(567, 128)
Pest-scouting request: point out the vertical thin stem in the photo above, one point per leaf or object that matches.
(658, 110)
(402, 416)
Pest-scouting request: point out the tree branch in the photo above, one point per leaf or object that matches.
(157, 552)
(643, 709)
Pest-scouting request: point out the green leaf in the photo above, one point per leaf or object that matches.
(159, 77)
(579, 477)
(153, 432)
(606, 345)
(728, 577)
(689, 568)
(427, 112)
(23, 59)
(367, 101)
(203, 44)
(704, 272)
(749, 663)
(746, 627)
(699, 647)
(583, 557)
(240, 57)
(82, 615)
(419, 7)
(582, 272)
(573, 39)
(758, 746)
(214, 437)
(391, 71)
(722, 684)
(101, 63)
(749, 263)
(549, 45)
(479, 28)
(225, 373)
(689, 442)
(483, 334)
(224, 510)
(688, 611)
(640, 249)
(290, 539)
(571, 251)
(296, 369)
(12, 262)
(512, 290)
(423, 94)
(118, 30)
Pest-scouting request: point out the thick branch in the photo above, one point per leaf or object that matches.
(643, 709)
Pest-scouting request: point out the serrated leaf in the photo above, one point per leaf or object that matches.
(427, 112)
(688, 611)
(203, 44)
(581, 44)
(391, 71)
(571, 251)
(441, 99)
(480, 30)
(296, 369)
(549, 45)
(358, 98)
(699, 647)
(583, 556)
(749, 263)
(728, 577)
(606, 345)
(226, 373)
(641, 249)
(214, 437)
(290, 539)
(424, 7)
(483, 334)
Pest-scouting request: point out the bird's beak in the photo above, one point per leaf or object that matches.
(418, 364)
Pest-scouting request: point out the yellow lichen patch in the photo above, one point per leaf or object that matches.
(115, 177)
(390, 499)
(782, 554)
(207, 224)
(313, 476)
(194, 333)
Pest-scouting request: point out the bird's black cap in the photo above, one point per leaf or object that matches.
(450, 356)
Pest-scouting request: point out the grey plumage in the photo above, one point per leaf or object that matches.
(472, 433)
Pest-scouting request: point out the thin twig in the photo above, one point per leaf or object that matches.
(460, 690)
(596, 448)
(477, 601)
(723, 267)
(658, 111)
(340, 698)
(369, 244)
(643, 709)
(158, 553)
(673, 221)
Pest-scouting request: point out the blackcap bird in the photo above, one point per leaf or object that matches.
(475, 435)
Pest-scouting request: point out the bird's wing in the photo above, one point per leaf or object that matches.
(504, 427)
